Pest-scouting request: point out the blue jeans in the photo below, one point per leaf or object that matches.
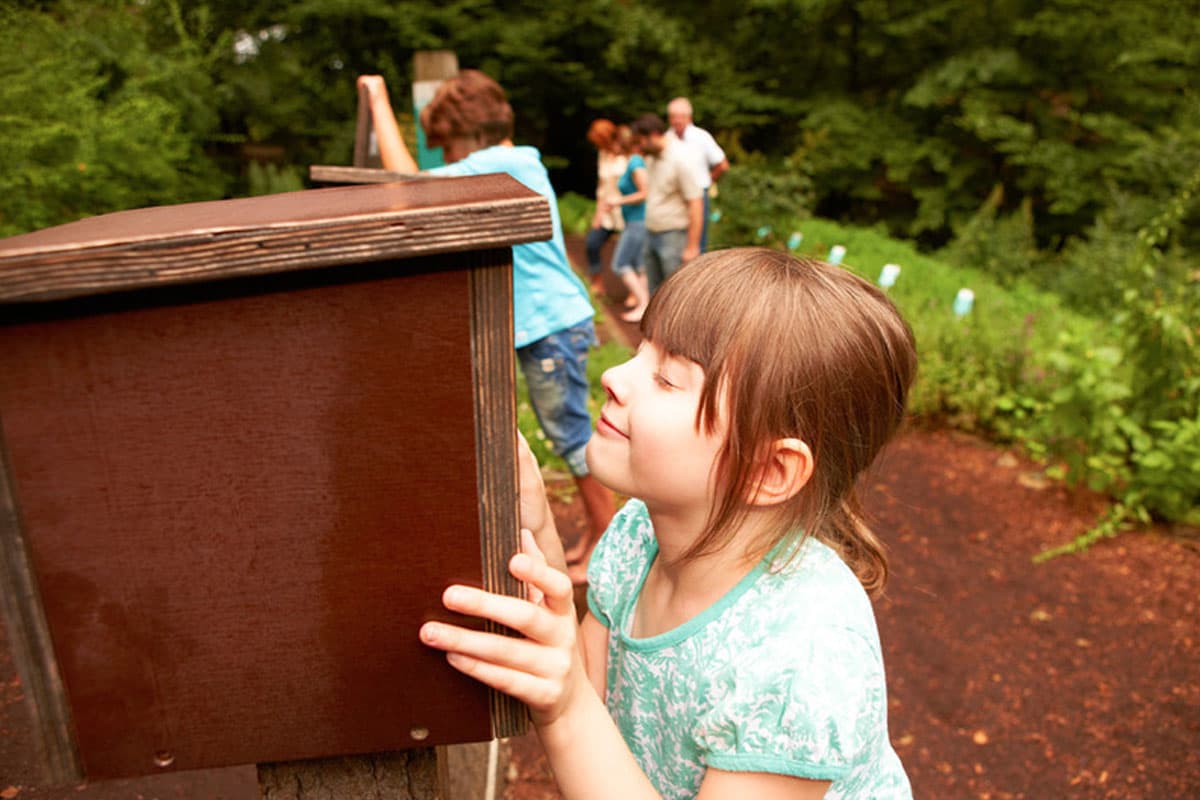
(631, 248)
(664, 255)
(555, 369)
(596, 237)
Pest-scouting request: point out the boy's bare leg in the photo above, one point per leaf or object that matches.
(599, 506)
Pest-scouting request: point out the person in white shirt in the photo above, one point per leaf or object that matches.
(708, 159)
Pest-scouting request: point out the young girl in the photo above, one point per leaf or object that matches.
(730, 650)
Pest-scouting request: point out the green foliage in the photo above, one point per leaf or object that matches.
(1113, 403)
(975, 373)
(270, 179)
(760, 193)
(576, 212)
(102, 109)
(1002, 246)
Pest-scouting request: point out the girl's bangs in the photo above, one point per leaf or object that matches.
(680, 317)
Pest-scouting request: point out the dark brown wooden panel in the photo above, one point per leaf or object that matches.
(240, 507)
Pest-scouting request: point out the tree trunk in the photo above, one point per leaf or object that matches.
(406, 775)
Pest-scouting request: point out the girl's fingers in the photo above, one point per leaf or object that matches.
(530, 548)
(530, 689)
(535, 622)
(531, 566)
(520, 655)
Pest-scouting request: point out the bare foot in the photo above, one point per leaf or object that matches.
(577, 572)
(635, 315)
(577, 551)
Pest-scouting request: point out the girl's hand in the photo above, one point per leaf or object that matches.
(543, 670)
(535, 508)
(374, 85)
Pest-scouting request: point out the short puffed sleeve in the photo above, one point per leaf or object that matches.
(809, 703)
(619, 562)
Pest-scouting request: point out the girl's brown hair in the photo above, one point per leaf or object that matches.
(795, 348)
(468, 106)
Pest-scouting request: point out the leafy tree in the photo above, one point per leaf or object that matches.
(104, 108)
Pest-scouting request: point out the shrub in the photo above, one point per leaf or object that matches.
(104, 109)
(576, 212)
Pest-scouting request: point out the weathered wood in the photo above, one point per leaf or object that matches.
(274, 233)
(434, 65)
(364, 134)
(495, 408)
(408, 775)
(430, 69)
(319, 173)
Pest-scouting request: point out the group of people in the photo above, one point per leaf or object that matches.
(729, 648)
(653, 189)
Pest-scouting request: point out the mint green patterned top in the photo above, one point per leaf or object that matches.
(783, 674)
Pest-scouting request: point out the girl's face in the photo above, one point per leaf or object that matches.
(646, 443)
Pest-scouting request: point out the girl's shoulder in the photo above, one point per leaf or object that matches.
(814, 592)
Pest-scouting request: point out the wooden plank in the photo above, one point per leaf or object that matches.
(364, 134)
(32, 648)
(434, 65)
(430, 69)
(274, 233)
(319, 173)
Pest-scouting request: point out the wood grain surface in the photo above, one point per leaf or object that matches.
(277, 233)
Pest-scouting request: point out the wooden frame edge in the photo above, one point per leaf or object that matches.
(492, 353)
(32, 647)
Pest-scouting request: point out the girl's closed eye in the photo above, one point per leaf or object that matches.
(662, 380)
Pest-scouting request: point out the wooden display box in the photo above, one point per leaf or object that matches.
(246, 444)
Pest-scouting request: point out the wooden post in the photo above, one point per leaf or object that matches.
(366, 150)
(430, 68)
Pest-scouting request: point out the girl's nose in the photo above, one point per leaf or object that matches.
(613, 385)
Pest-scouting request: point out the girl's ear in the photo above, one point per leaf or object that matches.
(788, 466)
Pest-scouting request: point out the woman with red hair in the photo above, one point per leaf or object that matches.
(610, 165)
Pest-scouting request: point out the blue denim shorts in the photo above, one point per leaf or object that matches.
(664, 255)
(631, 248)
(555, 370)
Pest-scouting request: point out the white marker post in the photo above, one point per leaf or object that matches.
(964, 301)
(888, 275)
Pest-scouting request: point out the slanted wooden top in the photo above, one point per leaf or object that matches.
(275, 233)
